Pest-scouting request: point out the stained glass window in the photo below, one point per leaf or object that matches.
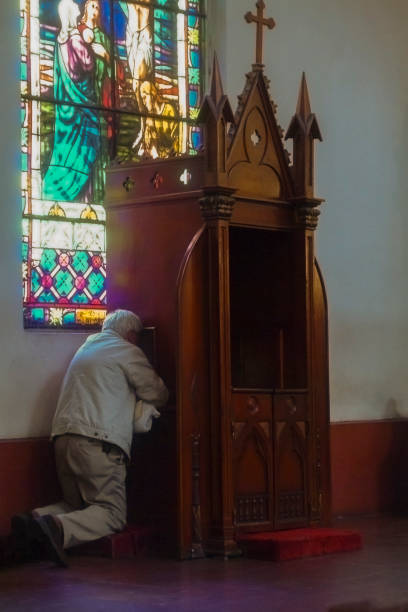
(100, 79)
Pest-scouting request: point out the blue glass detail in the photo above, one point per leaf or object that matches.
(193, 97)
(47, 297)
(195, 59)
(37, 314)
(68, 318)
(80, 298)
(196, 139)
(192, 21)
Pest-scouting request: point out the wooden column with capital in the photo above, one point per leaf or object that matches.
(216, 209)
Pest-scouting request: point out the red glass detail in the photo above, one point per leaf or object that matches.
(80, 283)
(157, 180)
(46, 281)
(95, 302)
(96, 261)
(64, 260)
(63, 301)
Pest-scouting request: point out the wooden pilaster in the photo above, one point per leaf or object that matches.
(216, 208)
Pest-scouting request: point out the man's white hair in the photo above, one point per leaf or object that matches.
(122, 322)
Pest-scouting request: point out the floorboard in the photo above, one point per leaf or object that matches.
(375, 574)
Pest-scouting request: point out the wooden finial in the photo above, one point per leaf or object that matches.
(217, 114)
(303, 130)
(303, 108)
(217, 91)
(260, 21)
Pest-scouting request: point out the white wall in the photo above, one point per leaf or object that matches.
(31, 362)
(354, 54)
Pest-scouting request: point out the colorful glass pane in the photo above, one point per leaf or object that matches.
(100, 79)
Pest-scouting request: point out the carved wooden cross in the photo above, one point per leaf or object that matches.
(260, 21)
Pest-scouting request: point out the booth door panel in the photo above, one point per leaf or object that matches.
(291, 459)
(253, 470)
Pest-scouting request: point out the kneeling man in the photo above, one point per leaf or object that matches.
(92, 432)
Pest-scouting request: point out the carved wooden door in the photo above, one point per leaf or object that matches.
(270, 441)
(291, 432)
(253, 460)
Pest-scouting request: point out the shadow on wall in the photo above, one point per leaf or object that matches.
(393, 475)
(391, 409)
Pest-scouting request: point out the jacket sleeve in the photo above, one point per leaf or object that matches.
(142, 377)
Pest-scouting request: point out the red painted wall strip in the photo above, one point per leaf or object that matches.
(368, 464)
(27, 477)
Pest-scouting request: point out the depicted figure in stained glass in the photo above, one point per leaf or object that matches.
(159, 139)
(76, 155)
(90, 28)
(139, 46)
(92, 33)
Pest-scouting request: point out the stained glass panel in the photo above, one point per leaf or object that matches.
(100, 79)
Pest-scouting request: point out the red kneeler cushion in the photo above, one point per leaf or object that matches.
(297, 543)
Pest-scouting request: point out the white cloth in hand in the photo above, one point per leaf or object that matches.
(143, 416)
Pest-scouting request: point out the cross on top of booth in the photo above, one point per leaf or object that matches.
(261, 22)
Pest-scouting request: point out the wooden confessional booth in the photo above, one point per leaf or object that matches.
(216, 252)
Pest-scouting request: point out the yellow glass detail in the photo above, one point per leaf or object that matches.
(193, 37)
(90, 317)
(56, 211)
(89, 213)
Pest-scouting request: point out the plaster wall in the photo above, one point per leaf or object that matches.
(32, 363)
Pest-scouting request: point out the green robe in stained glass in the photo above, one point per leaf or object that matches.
(76, 155)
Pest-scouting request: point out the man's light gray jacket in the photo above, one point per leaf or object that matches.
(104, 380)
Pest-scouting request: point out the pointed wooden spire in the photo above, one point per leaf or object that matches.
(217, 90)
(216, 113)
(303, 106)
(303, 129)
(217, 102)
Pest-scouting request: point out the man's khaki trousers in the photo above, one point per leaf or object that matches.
(93, 488)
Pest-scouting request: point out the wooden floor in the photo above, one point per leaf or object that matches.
(376, 574)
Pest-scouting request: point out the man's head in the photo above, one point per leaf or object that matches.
(125, 323)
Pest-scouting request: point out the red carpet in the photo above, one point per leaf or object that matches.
(298, 543)
(133, 541)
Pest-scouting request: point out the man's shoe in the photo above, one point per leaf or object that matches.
(22, 537)
(51, 533)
